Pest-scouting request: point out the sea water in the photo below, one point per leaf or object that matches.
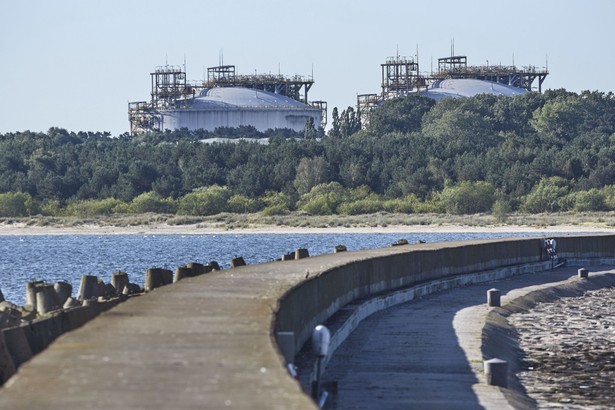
(67, 257)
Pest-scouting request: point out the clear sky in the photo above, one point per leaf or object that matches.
(75, 64)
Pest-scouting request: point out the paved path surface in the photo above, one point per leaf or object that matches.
(426, 354)
(202, 343)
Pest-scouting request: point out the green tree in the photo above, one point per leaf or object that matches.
(310, 172)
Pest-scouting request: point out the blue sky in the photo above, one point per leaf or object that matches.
(76, 64)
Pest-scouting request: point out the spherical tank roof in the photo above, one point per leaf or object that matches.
(460, 88)
(228, 97)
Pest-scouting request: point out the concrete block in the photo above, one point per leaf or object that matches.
(182, 272)
(197, 268)
(301, 253)
(64, 290)
(213, 265)
(88, 287)
(238, 261)
(46, 299)
(119, 280)
(493, 297)
(17, 344)
(31, 292)
(496, 371)
(156, 277)
(44, 331)
(7, 367)
(288, 256)
(286, 343)
(583, 273)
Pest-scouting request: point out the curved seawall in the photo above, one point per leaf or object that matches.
(222, 340)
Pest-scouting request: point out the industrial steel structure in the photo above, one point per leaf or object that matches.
(401, 76)
(225, 99)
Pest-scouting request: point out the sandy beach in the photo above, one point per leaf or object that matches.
(201, 229)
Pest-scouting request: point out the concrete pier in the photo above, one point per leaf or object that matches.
(210, 341)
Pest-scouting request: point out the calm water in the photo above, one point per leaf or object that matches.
(68, 257)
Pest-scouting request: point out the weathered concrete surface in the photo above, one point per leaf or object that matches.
(426, 354)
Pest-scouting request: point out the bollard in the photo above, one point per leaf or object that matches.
(182, 272)
(46, 299)
(493, 297)
(238, 261)
(583, 273)
(88, 288)
(64, 291)
(340, 248)
(301, 253)
(496, 371)
(119, 280)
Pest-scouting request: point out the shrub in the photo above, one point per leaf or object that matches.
(94, 207)
(369, 205)
(242, 204)
(323, 199)
(582, 201)
(546, 196)
(152, 202)
(17, 204)
(204, 201)
(468, 198)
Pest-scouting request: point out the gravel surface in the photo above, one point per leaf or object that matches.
(569, 348)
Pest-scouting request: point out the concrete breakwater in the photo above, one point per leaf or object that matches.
(51, 310)
(223, 340)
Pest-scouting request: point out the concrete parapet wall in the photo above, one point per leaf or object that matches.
(315, 300)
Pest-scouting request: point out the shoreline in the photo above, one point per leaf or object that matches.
(23, 229)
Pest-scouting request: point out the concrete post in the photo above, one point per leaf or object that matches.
(493, 297)
(340, 248)
(119, 280)
(496, 371)
(88, 288)
(301, 253)
(46, 299)
(182, 272)
(583, 273)
(64, 290)
(238, 261)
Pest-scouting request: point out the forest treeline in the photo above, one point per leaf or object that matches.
(532, 153)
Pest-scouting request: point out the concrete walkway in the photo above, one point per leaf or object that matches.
(426, 354)
(203, 343)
